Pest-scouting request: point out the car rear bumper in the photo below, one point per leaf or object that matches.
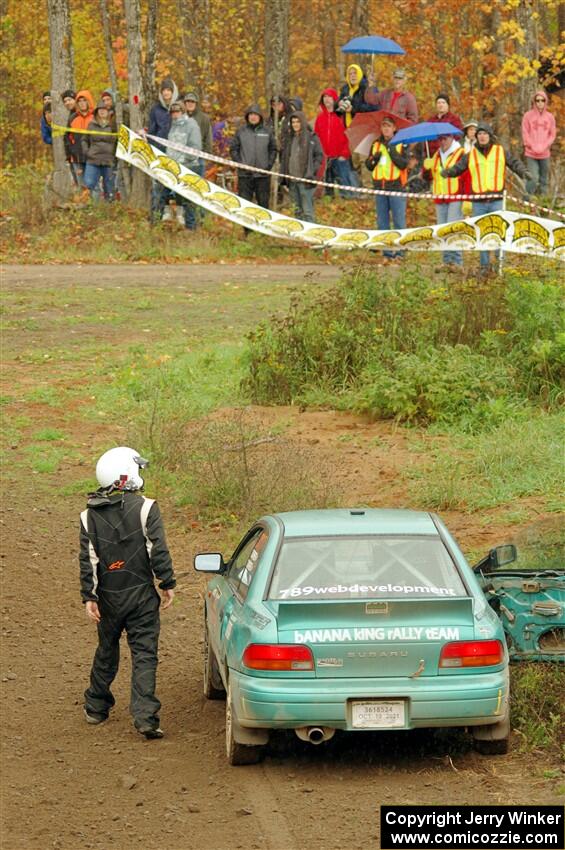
(464, 700)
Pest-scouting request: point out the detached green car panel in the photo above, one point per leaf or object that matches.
(352, 620)
(530, 600)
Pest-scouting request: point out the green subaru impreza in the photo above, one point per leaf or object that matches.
(351, 620)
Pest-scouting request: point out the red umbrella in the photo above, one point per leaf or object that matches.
(366, 127)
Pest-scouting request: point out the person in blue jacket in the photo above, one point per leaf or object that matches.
(159, 125)
(46, 121)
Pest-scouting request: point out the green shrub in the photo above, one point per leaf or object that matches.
(444, 385)
(537, 706)
(537, 335)
(413, 349)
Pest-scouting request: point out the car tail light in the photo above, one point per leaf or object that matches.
(472, 653)
(277, 656)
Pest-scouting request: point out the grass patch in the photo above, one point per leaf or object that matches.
(43, 395)
(48, 435)
(44, 460)
(157, 395)
(75, 488)
(519, 458)
(538, 706)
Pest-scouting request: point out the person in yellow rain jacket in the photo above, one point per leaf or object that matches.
(448, 154)
(351, 100)
(389, 167)
(486, 164)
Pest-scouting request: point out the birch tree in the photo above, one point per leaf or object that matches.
(277, 17)
(61, 52)
(140, 185)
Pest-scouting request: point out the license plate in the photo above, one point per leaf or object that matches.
(378, 714)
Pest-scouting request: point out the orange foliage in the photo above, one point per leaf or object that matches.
(451, 45)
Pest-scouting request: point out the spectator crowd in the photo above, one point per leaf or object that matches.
(467, 160)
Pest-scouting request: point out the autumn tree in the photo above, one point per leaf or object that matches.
(195, 16)
(359, 21)
(277, 16)
(140, 84)
(61, 48)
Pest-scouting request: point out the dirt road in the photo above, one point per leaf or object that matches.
(68, 785)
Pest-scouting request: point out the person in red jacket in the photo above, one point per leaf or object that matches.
(443, 113)
(337, 156)
(538, 134)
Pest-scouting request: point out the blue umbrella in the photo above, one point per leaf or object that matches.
(372, 44)
(425, 132)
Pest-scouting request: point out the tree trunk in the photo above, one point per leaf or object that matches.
(359, 24)
(150, 50)
(140, 184)
(107, 33)
(124, 176)
(61, 52)
(184, 43)
(328, 29)
(277, 16)
(195, 21)
(527, 17)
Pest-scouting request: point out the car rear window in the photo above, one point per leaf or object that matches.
(375, 567)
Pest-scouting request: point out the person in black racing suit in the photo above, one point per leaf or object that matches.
(122, 549)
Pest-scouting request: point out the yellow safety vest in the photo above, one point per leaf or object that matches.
(385, 168)
(487, 172)
(445, 185)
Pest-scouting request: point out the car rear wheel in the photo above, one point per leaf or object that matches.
(492, 748)
(237, 752)
(494, 739)
(213, 686)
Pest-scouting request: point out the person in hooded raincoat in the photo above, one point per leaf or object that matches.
(335, 145)
(301, 156)
(351, 101)
(84, 113)
(254, 144)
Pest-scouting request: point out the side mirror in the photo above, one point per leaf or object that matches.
(503, 555)
(497, 558)
(209, 563)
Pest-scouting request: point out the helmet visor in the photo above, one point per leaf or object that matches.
(142, 462)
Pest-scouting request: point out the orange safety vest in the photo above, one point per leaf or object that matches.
(385, 169)
(487, 172)
(445, 185)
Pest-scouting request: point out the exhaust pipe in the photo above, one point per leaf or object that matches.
(315, 734)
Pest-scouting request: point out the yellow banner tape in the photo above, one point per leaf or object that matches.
(59, 130)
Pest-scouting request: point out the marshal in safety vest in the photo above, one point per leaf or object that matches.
(385, 168)
(445, 185)
(487, 172)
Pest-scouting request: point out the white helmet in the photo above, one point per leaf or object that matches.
(120, 467)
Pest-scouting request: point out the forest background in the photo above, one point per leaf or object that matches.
(489, 56)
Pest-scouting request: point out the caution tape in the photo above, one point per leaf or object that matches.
(357, 189)
(59, 130)
(504, 230)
